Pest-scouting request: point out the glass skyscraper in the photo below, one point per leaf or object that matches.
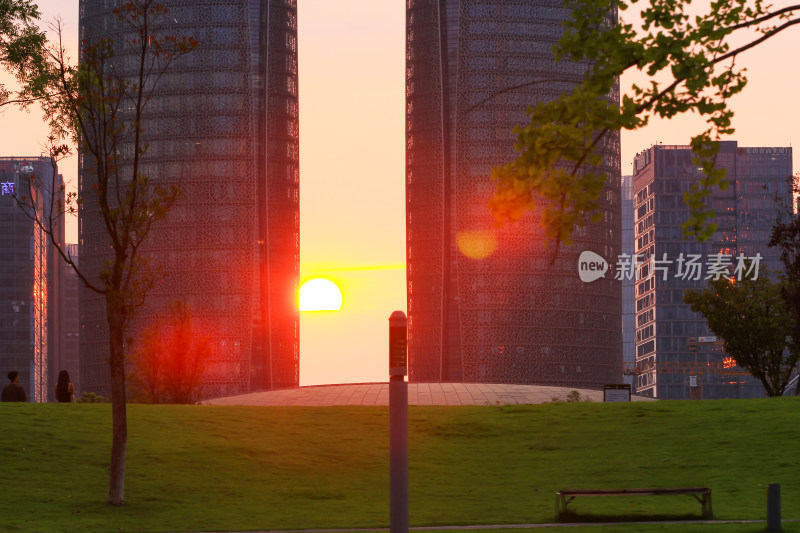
(223, 125)
(29, 279)
(69, 352)
(745, 213)
(488, 304)
(628, 283)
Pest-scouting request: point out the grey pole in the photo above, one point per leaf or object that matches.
(398, 423)
(773, 507)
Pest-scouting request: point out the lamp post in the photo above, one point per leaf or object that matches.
(398, 423)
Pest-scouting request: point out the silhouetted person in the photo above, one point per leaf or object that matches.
(13, 392)
(65, 392)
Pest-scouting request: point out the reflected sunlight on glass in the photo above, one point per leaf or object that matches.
(477, 244)
(320, 295)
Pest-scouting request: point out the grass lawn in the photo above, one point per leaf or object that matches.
(208, 468)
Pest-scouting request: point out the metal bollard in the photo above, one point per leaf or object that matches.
(773, 507)
(398, 423)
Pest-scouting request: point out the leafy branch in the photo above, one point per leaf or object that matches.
(561, 151)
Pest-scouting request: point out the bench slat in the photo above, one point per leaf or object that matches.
(611, 492)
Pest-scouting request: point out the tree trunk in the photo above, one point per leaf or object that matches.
(116, 327)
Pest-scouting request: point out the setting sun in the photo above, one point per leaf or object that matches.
(320, 295)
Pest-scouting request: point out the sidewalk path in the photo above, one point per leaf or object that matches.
(515, 526)
(418, 394)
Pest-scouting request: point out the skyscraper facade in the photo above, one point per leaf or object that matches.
(628, 283)
(68, 350)
(487, 304)
(670, 366)
(29, 278)
(223, 125)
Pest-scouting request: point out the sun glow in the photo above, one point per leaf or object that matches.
(320, 295)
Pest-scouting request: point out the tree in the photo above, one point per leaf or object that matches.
(753, 320)
(146, 371)
(786, 236)
(169, 363)
(691, 66)
(21, 41)
(99, 106)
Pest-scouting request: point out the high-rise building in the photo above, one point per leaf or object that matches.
(671, 366)
(223, 125)
(69, 354)
(487, 304)
(628, 283)
(29, 278)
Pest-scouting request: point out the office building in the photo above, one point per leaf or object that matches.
(628, 283)
(69, 354)
(670, 367)
(223, 126)
(29, 278)
(488, 304)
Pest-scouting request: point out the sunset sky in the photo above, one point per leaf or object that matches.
(352, 142)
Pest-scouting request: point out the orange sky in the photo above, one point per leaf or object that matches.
(352, 71)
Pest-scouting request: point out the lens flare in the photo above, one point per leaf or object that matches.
(478, 244)
(320, 294)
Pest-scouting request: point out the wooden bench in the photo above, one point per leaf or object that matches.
(701, 494)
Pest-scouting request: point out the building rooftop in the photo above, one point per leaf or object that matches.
(418, 394)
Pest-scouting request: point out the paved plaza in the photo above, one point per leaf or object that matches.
(418, 394)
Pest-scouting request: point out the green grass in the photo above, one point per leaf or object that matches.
(196, 468)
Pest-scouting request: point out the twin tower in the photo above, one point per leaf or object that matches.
(484, 304)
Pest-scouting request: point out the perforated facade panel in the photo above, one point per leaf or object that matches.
(487, 305)
(224, 125)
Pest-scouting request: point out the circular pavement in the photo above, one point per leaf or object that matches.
(418, 394)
